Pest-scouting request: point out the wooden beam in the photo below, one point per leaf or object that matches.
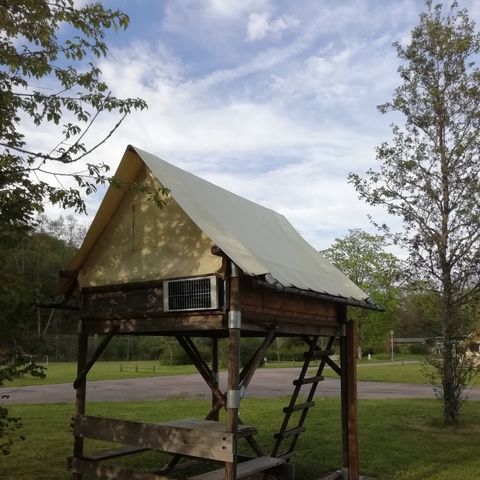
(103, 471)
(191, 350)
(113, 453)
(348, 355)
(215, 373)
(233, 364)
(162, 325)
(248, 372)
(351, 363)
(334, 366)
(262, 322)
(83, 374)
(80, 396)
(244, 469)
(195, 439)
(258, 300)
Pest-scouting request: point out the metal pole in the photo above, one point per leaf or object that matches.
(391, 345)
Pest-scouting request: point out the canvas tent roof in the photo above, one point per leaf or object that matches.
(259, 240)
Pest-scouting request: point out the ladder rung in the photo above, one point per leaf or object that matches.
(290, 433)
(300, 406)
(318, 354)
(308, 380)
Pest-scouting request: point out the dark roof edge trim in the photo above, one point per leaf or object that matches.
(367, 304)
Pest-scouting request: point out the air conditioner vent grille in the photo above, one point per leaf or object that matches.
(191, 294)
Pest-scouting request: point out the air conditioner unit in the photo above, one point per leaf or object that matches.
(195, 293)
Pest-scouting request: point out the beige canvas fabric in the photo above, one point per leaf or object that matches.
(259, 240)
(144, 242)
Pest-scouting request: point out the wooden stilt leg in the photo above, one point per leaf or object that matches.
(80, 394)
(215, 374)
(233, 394)
(348, 355)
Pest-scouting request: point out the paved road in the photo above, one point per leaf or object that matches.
(266, 383)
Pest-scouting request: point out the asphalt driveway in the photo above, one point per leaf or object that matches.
(266, 383)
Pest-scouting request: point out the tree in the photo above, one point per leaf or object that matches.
(8, 371)
(420, 314)
(429, 174)
(362, 257)
(48, 51)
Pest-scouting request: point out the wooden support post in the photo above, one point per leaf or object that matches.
(80, 395)
(250, 368)
(215, 374)
(83, 374)
(191, 350)
(233, 394)
(348, 356)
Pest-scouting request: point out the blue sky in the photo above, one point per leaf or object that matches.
(274, 100)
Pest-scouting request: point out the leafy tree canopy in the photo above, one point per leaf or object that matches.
(363, 258)
(48, 53)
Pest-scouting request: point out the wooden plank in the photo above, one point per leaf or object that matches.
(195, 356)
(310, 380)
(287, 305)
(186, 440)
(113, 453)
(122, 304)
(318, 353)
(215, 372)
(290, 433)
(351, 372)
(81, 466)
(211, 426)
(83, 374)
(233, 366)
(80, 394)
(123, 287)
(244, 469)
(348, 379)
(300, 406)
(334, 366)
(164, 325)
(248, 372)
(261, 322)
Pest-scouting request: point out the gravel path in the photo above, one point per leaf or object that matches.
(265, 383)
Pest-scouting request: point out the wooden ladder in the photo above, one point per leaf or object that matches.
(285, 432)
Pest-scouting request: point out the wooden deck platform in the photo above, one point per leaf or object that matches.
(244, 469)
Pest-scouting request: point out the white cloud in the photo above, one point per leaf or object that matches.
(281, 126)
(229, 8)
(260, 25)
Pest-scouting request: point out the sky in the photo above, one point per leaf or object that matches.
(273, 100)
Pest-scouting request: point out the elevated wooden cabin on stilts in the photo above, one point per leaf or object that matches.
(207, 264)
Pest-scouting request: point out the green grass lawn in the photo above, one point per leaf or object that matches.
(396, 372)
(399, 439)
(65, 372)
